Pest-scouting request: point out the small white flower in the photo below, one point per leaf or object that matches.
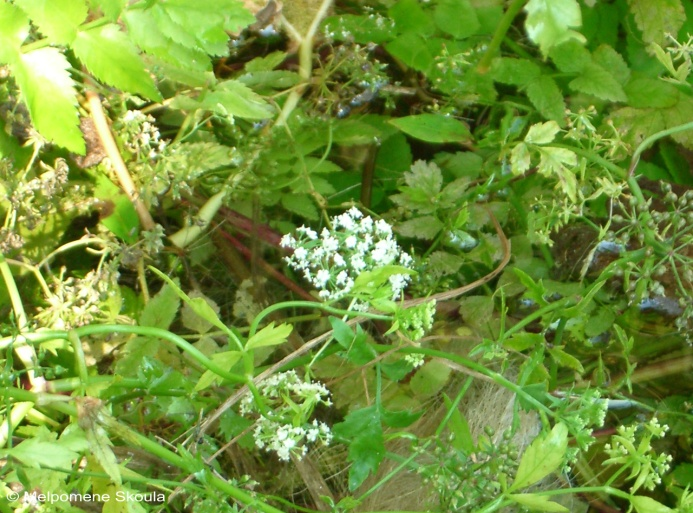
(321, 278)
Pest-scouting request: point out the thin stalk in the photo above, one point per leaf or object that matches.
(499, 35)
(649, 141)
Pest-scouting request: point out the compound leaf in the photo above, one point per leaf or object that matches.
(58, 20)
(50, 96)
(598, 82)
(548, 22)
(110, 56)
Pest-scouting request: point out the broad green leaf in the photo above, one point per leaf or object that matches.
(269, 336)
(433, 128)
(14, 29)
(161, 309)
(523, 340)
(425, 227)
(520, 159)
(457, 18)
(362, 29)
(549, 22)
(110, 56)
(544, 456)
(513, 71)
(37, 452)
(58, 20)
(301, 204)
(570, 56)
(442, 263)
(598, 82)
(409, 16)
(50, 96)
(110, 8)
(430, 379)
(198, 305)
(225, 360)
(542, 133)
(612, 61)
(547, 98)
(366, 448)
(537, 502)
(644, 504)
(558, 162)
(119, 214)
(236, 99)
(412, 50)
(342, 332)
(566, 360)
(100, 449)
(191, 320)
(459, 427)
(656, 18)
(644, 92)
(400, 418)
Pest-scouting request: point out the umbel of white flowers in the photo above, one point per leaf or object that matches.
(356, 243)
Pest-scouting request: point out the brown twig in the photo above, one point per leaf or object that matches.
(121, 170)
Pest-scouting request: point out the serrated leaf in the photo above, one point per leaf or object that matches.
(58, 20)
(425, 227)
(412, 50)
(161, 309)
(645, 92)
(367, 447)
(442, 263)
(556, 162)
(433, 128)
(409, 16)
(110, 8)
(547, 98)
(520, 159)
(542, 133)
(122, 219)
(100, 449)
(457, 18)
(301, 204)
(269, 336)
(50, 96)
(657, 18)
(535, 289)
(36, 452)
(570, 56)
(110, 56)
(191, 320)
(598, 82)
(566, 360)
(544, 456)
(430, 379)
(14, 29)
(513, 71)
(612, 61)
(225, 360)
(549, 22)
(236, 99)
(537, 502)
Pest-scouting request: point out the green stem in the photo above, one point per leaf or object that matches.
(311, 304)
(499, 35)
(651, 140)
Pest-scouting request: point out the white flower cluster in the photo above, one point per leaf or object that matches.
(292, 401)
(142, 136)
(333, 260)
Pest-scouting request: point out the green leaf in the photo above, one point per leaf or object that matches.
(537, 502)
(58, 20)
(367, 449)
(598, 82)
(110, 8)
(520, 159)
(612, 61)
(425, 227)
(161, 309)
(110, 56)
(513, 71)
(236, 99)
(100, 449)
(644, 504)
(570, 56)
(122, 219)
(542, 133)
(412, 50)
(430, 379)
(544, 456)
(557, 162)
(535, 289)
(645, 92)
(301, 204)
(548, 22)
(14, 29)
(522, 341)
(191, 320)
(38, 452)
(433, 128)
(566, 360)
(457, 18)
(363, 29)
(656, 18)
(50, 96)
(547, 98)
(410, 17)
(269, 336)
(459, 427)
(198, 305)
(225, 360)
(442, 263)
